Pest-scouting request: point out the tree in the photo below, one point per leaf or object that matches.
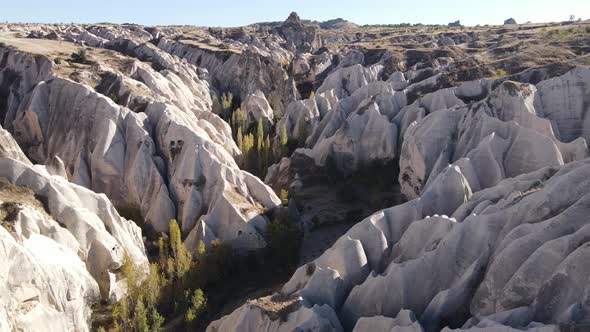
(182, 258)
(140, 320)
(201, 248)
(157, 320)
(284, 239)
(302, 135)
(238, 121)
(240, 139)
(284, 196)
(226, 102)
(259, 137)
(197, 301)
(266, 154)
(284, 139)
(80, 57)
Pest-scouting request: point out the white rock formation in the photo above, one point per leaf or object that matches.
(174, 159)
(502, 136)
(255, 107)
(275, 314)
(514, 255)
(345, 81)
(62, 246)
(495, 239)
(9, 148)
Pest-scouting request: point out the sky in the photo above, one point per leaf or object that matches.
(239, 12)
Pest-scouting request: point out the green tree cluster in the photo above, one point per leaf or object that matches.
(284, 239)
(255, 146)
(167, 288)
(227, 99)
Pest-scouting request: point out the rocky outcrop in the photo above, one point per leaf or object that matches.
(304, 38)
(256, 107)
(511, 254)
(510, 21)
(497, 216)
(258, 67)
(10, 149)
(511, 132)
(62, 246)
(276, 313)
(171, 160)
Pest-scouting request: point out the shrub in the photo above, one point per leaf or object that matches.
(197, 301)
(284, 196)
(57, 61)
(284, 239)
(500, 72)
(80, 57)
(226, 101)
(284, 139)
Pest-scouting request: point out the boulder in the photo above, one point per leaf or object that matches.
(510, 21)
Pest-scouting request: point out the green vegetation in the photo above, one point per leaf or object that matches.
(284, 239)
(238, 121)
(284, 196)
(255, 144)
(284, 140)
(500, 72)
(186, 291)
(165, 289)
(80, 57)
(302, 134)
(57, 61)
(226, 103)
(259, 137)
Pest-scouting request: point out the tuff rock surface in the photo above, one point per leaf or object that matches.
(61, 247)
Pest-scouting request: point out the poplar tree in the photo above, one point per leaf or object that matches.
(283, 140)
(240, 140)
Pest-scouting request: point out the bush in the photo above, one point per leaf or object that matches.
(165, 287)
(284, 239)
(197, 301)
(57, 61)
(284, 196)
(80, 57)
(500, 72)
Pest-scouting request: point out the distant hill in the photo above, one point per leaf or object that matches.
(338, 23)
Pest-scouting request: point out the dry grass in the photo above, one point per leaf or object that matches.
(100, 60)
(277, 306)
(12, 199)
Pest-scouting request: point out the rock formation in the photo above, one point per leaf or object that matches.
(302, 37)
(483, 131)
(62, 246)
(510, 21)
(139, 159)
(497, 215)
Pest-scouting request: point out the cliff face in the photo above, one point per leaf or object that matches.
(171, 159)
(62, 246)
(303, 37)
(495, 172)
(258, 67)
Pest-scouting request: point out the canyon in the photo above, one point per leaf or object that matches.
(436, 176)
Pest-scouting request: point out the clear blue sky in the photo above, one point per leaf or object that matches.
(241, 12)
